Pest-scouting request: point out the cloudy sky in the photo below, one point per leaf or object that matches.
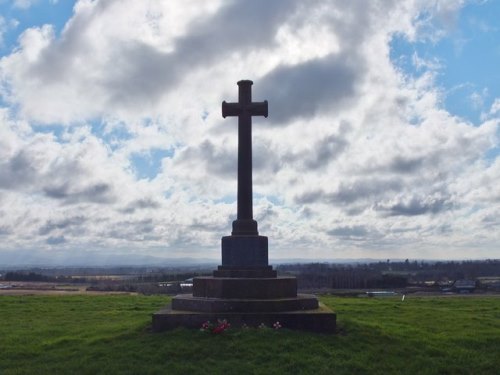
(382, 139)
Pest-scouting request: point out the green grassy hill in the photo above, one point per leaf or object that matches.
(111, 334)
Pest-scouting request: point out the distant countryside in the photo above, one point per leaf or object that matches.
(401, 277)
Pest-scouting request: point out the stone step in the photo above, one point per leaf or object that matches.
(321, 319)
(187, 302)
(257, 288)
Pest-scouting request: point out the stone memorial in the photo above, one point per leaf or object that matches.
(244, 289)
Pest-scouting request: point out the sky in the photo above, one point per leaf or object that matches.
(382, 139)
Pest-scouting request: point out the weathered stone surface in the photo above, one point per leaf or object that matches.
(187, 302)
(244, 251)
(260, 288)
(250, 272)
(244, 109)
(321, 319)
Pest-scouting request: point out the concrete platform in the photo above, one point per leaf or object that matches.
(321, 319)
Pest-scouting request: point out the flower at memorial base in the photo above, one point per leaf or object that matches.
(277, 325)
(262, 325)
(220, 327)
(207, 326)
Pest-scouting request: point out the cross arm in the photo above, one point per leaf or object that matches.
(236, 109)
(231, 109)
(258, 108)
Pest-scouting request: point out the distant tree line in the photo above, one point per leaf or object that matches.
(382, 274)
(141, 278)
(34, 276)
(26, 276)
(173, 276)
(386, 274)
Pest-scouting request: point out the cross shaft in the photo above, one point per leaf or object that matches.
(244, 109)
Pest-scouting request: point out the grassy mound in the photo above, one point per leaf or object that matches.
(111, 334)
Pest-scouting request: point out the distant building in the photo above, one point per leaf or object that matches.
(177, 286)
(188, 283)
(464, 286)
(170, 286)
(381, 294)
(494, 285)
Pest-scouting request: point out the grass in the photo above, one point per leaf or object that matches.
(111, 334)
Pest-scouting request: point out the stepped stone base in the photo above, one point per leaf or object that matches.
(246, 290)
(320, 319)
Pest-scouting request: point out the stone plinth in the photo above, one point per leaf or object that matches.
(244, 251)
(321, 319)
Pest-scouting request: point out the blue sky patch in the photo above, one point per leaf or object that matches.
(16, 20)
(114, 136)
(466, 60)
(147, 166)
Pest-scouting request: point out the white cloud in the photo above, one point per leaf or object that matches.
(355, 159)
(24, 4)
(423, 64)
(495, 107)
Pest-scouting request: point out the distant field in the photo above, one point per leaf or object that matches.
(27, 288)
(111, 334)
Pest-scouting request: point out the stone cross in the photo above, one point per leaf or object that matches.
(244, 109)
(245, 289)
